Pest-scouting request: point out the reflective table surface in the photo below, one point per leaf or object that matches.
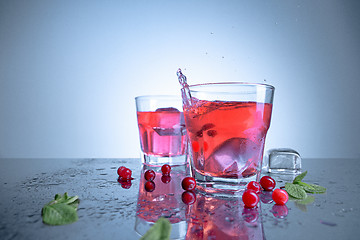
(110, 210)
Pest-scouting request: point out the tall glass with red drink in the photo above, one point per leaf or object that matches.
(227, 125)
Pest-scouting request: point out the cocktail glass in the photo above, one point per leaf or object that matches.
(227, 125)
(162, 130)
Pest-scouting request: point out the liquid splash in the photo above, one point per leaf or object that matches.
(182, 79)
(185, 91)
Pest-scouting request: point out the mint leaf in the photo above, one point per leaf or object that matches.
(62, 210)
(298, 190)
(295, 190)
(59, 214)
(159, 231)
(307, 187)
(317, 189)
(300, 177)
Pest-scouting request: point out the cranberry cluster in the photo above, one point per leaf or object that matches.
(267, 184)
(150, 175)
(124, 177)
(188, 184)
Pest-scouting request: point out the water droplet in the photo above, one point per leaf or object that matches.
(331, 224)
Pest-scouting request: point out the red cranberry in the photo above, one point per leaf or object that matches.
(149, 175)
(125, 174)
(280, 196)
(188, 183)
(188, 197)
(254, 186)
(166, 169)
(120, 169)
(267, 183)
(165, 178)
(250, 198)
(149, 186)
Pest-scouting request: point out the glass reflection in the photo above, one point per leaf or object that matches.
(213, 217)
(194, 215)
(162, 198)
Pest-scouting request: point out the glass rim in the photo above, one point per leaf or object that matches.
(158, 97)
(268, 86)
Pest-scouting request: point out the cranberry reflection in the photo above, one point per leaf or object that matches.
(222, 218)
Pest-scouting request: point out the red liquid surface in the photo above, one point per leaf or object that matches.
(162, 133)
(227, 138)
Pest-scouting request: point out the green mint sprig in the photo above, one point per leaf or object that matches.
(298, 189)
(159, 231)
(60, 211)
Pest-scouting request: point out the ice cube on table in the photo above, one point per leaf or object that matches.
(283, 160)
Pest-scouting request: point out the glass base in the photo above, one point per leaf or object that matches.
(222, 186)
(156, 161)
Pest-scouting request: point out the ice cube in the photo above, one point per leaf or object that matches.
(170, 121)
(164, 131)
(232, 157)
(283, 160)
(167, 109)
(176, 130)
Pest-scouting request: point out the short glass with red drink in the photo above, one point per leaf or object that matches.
(163, 138)
(227, 125)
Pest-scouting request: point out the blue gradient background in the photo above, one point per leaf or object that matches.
(70, 70)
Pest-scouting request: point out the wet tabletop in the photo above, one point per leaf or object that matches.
(110, 210)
